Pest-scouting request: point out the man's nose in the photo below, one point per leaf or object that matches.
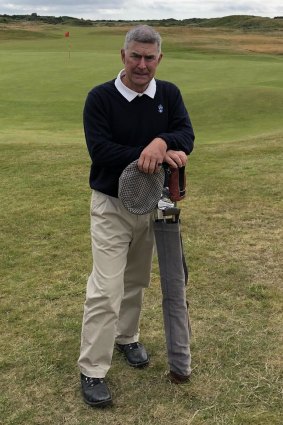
(142, 63)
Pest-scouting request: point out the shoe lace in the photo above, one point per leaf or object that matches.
(93, 381)
(133, 345)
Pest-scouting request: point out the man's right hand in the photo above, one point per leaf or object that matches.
(152, 156)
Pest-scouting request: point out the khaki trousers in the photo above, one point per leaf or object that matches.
(122, 248)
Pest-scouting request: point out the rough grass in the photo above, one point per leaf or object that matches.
(226, 40)
(216, 38)
(231, 230)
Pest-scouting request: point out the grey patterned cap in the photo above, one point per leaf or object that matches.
(138, 191)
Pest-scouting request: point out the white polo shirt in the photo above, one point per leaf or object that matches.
(131, 94)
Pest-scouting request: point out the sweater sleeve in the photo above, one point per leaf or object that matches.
(180, 134)
(103, 150)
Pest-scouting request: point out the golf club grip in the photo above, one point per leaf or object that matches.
(177, 184)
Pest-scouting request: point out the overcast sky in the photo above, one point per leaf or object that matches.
(143, 9)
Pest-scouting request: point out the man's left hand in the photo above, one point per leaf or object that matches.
(175, 159)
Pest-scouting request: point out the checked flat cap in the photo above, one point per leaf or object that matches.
(138, 191)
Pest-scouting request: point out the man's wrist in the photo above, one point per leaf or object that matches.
(161, 141)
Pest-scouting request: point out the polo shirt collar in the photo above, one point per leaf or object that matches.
(131, 94)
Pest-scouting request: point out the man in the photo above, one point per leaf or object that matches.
(129, 118)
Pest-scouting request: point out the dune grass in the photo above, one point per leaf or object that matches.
(231, 229)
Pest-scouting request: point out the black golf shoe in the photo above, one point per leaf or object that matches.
(135, 354)
(95, 391)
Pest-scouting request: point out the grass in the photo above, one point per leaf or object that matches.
(231, 229)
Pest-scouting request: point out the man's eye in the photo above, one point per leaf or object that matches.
(146, 58)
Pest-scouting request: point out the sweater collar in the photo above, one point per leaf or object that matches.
(131, 94)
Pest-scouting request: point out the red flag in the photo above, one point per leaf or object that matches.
(67, 34)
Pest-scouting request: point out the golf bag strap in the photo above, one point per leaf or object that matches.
(185, 267)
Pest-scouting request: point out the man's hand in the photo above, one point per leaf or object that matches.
(176, 159)
(152, 156)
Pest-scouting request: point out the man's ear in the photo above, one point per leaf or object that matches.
(160, 57)
(123, 55)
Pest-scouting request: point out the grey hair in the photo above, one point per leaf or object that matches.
(143, 34)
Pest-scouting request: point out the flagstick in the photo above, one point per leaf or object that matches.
(67, 34)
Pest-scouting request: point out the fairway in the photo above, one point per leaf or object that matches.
(232, 84)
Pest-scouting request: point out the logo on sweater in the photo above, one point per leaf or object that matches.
(160, 109)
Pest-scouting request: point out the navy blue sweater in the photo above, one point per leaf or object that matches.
(117, 130)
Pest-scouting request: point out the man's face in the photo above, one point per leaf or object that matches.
(141, 61)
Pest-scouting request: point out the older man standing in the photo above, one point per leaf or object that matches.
(131, 117)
